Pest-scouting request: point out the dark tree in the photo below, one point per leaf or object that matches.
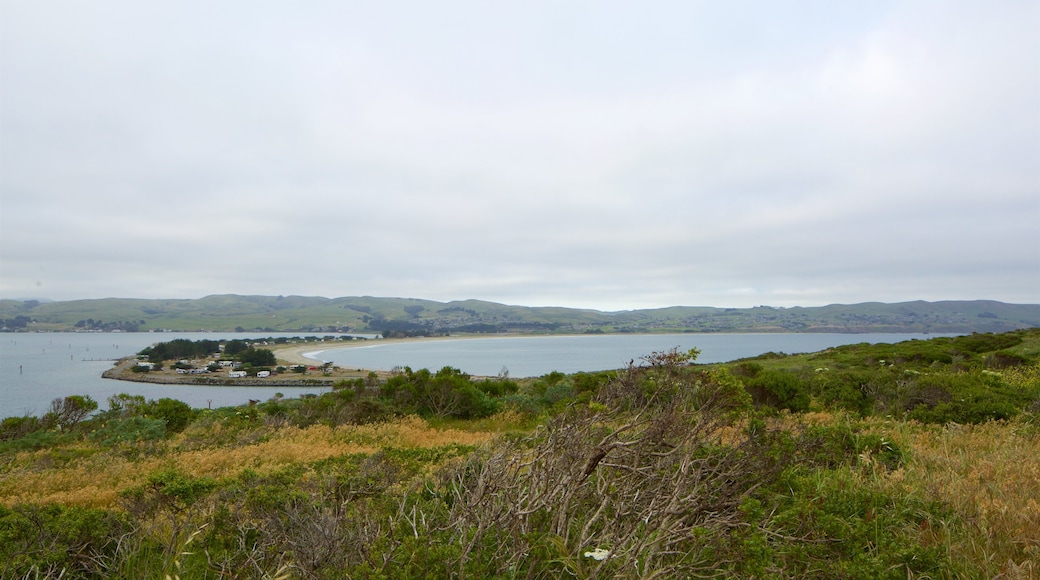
(258, 357)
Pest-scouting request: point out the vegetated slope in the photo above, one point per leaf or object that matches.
(765, 467)
(963, 379)
(411, 316)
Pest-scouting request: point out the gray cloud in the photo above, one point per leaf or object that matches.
(603, 155)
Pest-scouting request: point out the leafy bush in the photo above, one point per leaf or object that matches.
(167, 490)
(780, 390)
(833, 446)
(176, 414)
(1003, 360)
(963, 398)
(589, 382)
(18, 427)
(180, 348)
(57, 542)
(845, 526)
(40, 439)
(498, 387)
(336, 408)
(448, 393)
(988, 342)
(747, 369)
(258, 357)
(129, 430)
(853, 390)
(67, 412)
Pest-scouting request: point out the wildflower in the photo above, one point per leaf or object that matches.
(598, 554)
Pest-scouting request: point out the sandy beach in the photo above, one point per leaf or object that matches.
(293, 353)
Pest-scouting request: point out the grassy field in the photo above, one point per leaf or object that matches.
(917, 460)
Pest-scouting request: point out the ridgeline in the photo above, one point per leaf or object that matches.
(414, 317)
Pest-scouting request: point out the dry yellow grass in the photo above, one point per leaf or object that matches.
(96, 480)
(989, 476)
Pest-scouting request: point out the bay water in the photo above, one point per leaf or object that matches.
(36, 368)
(532, 356)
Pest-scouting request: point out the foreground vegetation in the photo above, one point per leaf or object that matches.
(920, 459)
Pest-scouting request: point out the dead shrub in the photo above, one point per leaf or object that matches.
(638, 483)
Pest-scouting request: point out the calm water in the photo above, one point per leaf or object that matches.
(533, 356)
(37, 368)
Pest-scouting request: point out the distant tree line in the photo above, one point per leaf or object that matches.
(258, 357)
(125, 326)
(15, 323)
(399, 328)
(180, 348)
(236, 349)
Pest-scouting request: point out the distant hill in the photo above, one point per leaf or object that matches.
(411, 316)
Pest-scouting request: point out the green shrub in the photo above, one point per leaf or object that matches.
(40, 439)
(176, 414)
(746, 369)
(1003, 360)
(497, 387)
(780, 390)
(833, 446)
(589, 382)
(988, 342)
(257, 357)
(448, 393)
(852, 390)
(67, 412)
(963, 397)
(167, 490)
(57, 541)
(129, 430)
(18, 427)
(848, 527)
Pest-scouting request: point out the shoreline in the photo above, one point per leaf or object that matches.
(292, 354)
(296, 353)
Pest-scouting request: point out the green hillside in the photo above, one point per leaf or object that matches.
(412, 316)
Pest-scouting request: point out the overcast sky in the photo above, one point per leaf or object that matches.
(607, 155)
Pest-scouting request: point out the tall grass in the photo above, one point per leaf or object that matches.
(97, 478)
(989, 477)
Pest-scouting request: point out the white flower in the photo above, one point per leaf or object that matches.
(598, 554)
